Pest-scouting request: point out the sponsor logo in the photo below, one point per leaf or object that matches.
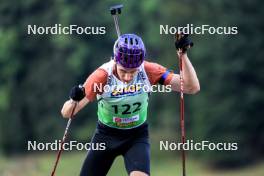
(126, 90)
(126, 120)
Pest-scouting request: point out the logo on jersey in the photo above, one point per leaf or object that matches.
(117, 91)
(126, 120)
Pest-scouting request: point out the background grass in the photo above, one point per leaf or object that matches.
(41, 164)
(163, 163)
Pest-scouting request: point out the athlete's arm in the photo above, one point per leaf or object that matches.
(69, 105)
(191, 83)
(99, 76)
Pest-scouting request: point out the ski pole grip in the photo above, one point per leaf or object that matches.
(116, 9)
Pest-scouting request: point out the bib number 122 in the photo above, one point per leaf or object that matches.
(127, 108)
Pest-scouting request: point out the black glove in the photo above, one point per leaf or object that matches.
(77, 93)
(183, 42)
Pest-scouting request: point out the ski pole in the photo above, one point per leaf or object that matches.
(182, 44)
(182, 117)
(63, 140)
(182, 125)
(115, 10)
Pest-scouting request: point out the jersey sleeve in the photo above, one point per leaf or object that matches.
(157, 73)
(94, 84)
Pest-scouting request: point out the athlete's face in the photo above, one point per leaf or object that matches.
(125, 74)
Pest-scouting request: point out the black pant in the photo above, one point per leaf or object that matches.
(133, 144)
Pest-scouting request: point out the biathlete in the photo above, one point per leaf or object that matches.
(122, 114)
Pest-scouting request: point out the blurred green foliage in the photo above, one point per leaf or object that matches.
(37, 71)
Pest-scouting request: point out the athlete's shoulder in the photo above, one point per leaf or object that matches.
(153, 67)
(155, 72)
(97, 78)
(101, 73)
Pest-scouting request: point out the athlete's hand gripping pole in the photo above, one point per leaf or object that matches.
(77, 93)
(115, 10)
(182, 44)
